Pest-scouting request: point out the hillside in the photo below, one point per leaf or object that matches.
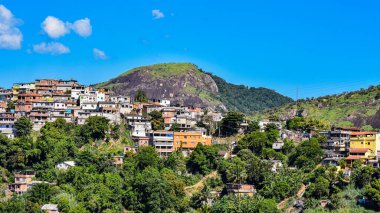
(186, 84)
(357, 108)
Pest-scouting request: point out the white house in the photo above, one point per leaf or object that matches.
(65, 165)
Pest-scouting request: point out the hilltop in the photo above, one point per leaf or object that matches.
(186, 84)
(358, 108)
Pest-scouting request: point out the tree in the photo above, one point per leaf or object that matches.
(255, 141)
(141, 96)
(151, 191)
(96, 127)
(362, 176)
(23, 127)
(147, 156)
(307, 154)
(157, 120)
(10, 106)
(203, 159)
(176, 127)
(320, 188)
(236, 173)
(230, 124)
(253, 126)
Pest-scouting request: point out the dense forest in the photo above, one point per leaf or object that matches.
(248, 99)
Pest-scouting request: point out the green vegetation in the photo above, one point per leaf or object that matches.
(23, 126)
(166, 70)
(358, 108)
(144, 182)
(141, 96)
(157, 120)
(248, 99)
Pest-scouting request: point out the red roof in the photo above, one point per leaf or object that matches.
(352, 157)
(363, 133)
(359, 150)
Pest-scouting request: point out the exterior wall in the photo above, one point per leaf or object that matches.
(190, 140)
(163, 142)
(370, 141)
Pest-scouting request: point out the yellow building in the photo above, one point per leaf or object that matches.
(364, 146)
(190, 140)
(370, 140)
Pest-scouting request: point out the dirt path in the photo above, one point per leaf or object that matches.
(190, 190)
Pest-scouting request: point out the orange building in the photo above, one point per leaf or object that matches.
(190, 140)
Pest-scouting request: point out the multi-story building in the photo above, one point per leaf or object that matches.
(336, 146)
(364, 146)
(190, 139)
(7, 121)
(162, 141)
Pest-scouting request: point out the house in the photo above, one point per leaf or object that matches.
(241, 189)
(190, 139)
(50, 208)
(118, 160)
(276, 165)
(140, 141)
(264, 123)
(65, 165)
(162, 141)
(277, 145)
(24, 181)
(7, 127)
(364, 146)
(130, 149)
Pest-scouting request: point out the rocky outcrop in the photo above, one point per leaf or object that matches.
(191, 87)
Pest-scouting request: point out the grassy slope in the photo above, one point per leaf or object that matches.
(337, 109)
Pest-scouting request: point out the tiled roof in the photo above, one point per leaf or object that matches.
(359, 150)
(352, 157)
(363, 133)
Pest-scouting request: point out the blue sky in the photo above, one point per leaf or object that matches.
(320, 47)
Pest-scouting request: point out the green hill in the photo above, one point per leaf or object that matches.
(357, 108)
(186, 84)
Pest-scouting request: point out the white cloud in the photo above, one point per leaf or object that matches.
(10, 35)
(82, 27)
(157, 14)
(99, 54)
(53, 48)
(56, 28)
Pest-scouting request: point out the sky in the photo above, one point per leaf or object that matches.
(298, 48)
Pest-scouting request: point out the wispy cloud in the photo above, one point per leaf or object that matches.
(10, 35)
(52, 48)
(55, 28)
(99, 54)
(157, 14)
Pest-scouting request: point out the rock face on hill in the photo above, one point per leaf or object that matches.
(185, 84)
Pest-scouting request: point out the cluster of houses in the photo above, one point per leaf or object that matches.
(351, 144)
(46, 100)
